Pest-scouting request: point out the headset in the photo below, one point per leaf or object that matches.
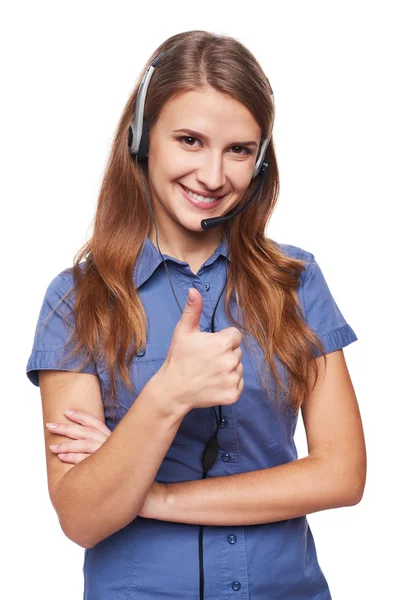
(138, 144)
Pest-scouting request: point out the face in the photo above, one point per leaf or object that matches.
(216, 161)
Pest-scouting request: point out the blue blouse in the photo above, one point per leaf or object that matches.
(151, 559)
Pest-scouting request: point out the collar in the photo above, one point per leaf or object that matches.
(149, 259)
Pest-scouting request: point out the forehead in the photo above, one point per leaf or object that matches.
(207, 110)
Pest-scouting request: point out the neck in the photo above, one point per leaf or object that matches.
(188, 249)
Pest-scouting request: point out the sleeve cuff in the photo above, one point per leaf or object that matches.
(337, 339)
(50, 360)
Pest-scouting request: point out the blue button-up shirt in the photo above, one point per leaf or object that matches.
(151, 559)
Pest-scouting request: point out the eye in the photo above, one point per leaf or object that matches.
(186, 137)
(244, 149)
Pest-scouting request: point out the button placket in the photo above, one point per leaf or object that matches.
(232, 552)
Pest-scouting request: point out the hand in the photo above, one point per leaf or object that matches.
(89, 434)
(202, 369)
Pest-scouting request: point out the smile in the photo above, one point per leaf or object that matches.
(197, 196)
(198, 201)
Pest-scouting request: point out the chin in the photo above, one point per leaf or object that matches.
(192, 224)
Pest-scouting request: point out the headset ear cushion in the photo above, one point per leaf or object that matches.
(130, 136)
(144, 142)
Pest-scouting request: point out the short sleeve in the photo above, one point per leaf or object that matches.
(321, 312)
(53, 330)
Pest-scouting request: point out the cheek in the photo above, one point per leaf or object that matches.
(241, 182)
(167, 169)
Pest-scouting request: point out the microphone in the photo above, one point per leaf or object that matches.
(214, 221)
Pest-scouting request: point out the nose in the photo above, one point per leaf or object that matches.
(211, 172)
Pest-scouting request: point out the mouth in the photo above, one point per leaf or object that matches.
(203, 205)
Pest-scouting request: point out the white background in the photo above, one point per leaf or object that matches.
(67, 71)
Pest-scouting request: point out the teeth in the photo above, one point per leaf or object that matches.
(199, 198)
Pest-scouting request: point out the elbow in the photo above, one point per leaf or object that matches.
(355, 486)
(352, 499)
(355, 493)
(346, 481)
(69, 524)
(359, 478)
(78, 535)
(83, 531)
(351, 471)
(79, 540)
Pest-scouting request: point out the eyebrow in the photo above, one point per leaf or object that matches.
(201, 135)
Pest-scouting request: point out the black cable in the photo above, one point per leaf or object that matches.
(210, 453)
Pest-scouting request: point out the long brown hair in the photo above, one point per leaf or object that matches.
(110, 320)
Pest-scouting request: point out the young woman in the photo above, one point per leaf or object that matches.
(178, 472)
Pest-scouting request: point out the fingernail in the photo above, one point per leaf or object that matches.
(54, 446)
(51, 424)
(69, 412)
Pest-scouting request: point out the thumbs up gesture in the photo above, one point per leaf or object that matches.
(202, 369)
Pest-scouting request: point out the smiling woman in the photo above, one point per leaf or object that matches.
(158, 462)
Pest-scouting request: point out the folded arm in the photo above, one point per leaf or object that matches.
(332, 475)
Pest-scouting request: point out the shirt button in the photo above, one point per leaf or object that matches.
(226, 457)
(206, 285)
(232, 539)
(236, 585)
(141, 352)
(224, 423)
(207, 329)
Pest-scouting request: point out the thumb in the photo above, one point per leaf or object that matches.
(190, 318)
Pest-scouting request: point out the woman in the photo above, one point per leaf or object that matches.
(178, 472)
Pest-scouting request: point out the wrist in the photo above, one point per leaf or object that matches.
(165, 397)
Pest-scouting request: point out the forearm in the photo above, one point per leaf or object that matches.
(105, 492)
(286, 491)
